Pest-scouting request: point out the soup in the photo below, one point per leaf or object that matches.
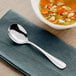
(56, 12)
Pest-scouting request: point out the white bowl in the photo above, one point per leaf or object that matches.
(35, 5)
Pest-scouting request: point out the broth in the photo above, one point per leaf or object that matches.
(71, 3)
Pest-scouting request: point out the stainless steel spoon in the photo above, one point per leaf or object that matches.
(19, 35)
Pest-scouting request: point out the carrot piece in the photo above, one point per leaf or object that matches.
(72, 18)
(55, 21)
(75, 15)
(52, 0)
(60, 10)
(75, 12)
(43, 3)
(60, 1)
(50, 5)
(44, 11)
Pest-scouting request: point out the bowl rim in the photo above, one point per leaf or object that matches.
(39, 15)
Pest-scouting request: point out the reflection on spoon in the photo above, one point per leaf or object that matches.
(19, 35)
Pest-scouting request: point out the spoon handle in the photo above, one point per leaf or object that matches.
(60, 64)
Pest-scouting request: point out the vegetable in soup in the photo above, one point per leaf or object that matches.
(57, 12)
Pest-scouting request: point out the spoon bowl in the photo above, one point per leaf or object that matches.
(19, 35)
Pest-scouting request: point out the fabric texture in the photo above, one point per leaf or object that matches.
(26, 58)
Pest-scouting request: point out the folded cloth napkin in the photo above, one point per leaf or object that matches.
(26, 58)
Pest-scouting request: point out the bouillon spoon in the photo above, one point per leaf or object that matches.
(19, 35)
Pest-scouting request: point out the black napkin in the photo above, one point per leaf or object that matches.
(26, 58)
